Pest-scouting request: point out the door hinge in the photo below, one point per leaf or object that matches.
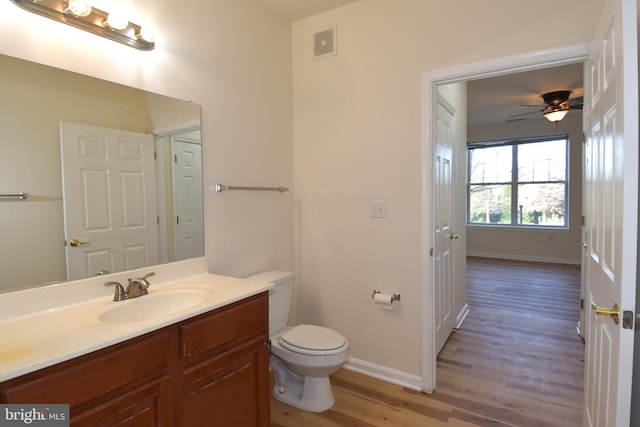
(628, 319)
(583, 220)
(177, 220)
(431, 252)
(584, 138)
(581, 303)
(155, 155)
(175, 158)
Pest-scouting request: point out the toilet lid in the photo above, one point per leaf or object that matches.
(312, 338)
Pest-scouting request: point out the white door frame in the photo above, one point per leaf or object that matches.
(562, 55)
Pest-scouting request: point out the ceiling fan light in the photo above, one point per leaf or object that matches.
(556, 115)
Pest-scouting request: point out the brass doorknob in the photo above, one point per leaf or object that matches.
(453, 236)
(613, 312)
(76, 242)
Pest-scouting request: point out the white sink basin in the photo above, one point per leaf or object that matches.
(153, 305)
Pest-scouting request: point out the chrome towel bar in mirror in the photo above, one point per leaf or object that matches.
(222, 187)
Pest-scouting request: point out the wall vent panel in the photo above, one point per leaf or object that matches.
(324, 43)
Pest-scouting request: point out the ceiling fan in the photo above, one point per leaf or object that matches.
(557, 105)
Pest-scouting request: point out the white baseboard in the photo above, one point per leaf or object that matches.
(385, 374)
(461, 316)
(517, 257)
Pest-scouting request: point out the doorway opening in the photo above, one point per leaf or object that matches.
(431, 82)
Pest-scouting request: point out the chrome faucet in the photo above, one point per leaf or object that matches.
(136, 288)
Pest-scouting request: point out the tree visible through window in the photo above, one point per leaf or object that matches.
(518, 183)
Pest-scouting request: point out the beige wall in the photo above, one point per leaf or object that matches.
(234, 59)
(357, 137)
(526, 244)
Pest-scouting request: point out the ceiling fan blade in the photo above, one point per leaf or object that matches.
(525, 114)
(576, 103)
(531, 105)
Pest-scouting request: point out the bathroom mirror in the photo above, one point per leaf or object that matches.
(35, 100)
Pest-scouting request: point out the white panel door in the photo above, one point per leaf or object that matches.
(444, 235)
(109, 199)
(611, 188)
(187, 184)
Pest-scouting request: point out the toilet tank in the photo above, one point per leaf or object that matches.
(280, 298)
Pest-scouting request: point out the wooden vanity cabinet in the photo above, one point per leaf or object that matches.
(211, 370)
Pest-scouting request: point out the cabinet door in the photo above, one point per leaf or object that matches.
(146, 406)
(235, 393)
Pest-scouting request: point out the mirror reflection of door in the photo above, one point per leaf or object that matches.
(109, 198)
(187, 197)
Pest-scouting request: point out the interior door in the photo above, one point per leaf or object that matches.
(444, 235)
(109, 197)
(187, 187)
(611, 180)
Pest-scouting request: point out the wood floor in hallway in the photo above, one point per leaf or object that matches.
(516, 361)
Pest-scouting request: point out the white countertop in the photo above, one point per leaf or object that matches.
(44, 326)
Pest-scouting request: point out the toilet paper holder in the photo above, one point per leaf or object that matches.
(395, 296)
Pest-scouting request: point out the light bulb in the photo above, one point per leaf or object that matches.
(79, 7)
(117, 21)
(147, 34)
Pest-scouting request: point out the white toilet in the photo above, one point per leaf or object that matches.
(302, 357)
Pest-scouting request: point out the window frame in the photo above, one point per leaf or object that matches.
(514, 183)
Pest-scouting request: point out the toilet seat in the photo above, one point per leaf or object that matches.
(313, 340)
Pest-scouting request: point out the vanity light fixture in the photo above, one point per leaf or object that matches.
(80, 14)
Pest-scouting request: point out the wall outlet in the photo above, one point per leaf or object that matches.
(378, 209)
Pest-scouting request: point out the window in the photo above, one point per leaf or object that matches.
(518, 182)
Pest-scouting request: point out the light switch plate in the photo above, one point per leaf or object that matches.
(378, 209)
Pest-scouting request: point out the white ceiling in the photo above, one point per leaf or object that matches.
(495, 99)
(300, 9)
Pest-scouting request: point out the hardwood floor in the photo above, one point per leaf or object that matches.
(516, 361)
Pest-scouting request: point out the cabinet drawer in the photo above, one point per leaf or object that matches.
(88, 377)
(230, 325)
